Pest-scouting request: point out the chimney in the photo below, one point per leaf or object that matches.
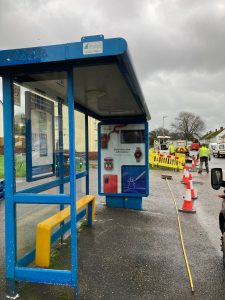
(216, 130)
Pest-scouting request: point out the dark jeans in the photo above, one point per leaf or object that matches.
(204, 159)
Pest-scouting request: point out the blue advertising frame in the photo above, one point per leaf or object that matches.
(139, 179)
(56, 58)
(31, 171)
(146, 158)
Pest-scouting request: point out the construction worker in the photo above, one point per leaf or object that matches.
(171, 149)
(204, 155)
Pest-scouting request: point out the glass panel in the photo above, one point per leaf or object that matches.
(28, 217)
(41, 129)
(80, 141)
(80, 187)
(93, 138)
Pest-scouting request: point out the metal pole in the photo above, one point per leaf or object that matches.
(163, 128)
(60, 157)
(87, 168)
(9, 174)
(87, 152)
(72, 180)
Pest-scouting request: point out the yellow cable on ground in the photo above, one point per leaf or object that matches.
(181, 238)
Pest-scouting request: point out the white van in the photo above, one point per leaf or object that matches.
(219, 150)
(212, 146)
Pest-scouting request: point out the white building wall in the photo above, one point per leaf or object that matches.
(220, 138)
(1, 119)
(93, 145)
(217, 139)
(93, 134)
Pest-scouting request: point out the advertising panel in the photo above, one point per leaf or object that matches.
(40, 156)
(123, 159)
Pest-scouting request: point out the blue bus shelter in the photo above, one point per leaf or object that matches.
(44, 88)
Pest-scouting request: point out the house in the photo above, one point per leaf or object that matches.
(80, 142)
(1, 119)
(216, 136)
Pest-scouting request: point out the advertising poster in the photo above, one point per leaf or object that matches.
(40, 136)
(122, 164)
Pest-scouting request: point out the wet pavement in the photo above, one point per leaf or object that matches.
(137, 254)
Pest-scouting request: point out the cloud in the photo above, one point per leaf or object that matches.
(177, 46)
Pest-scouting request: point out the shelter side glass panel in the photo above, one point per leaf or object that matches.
(41, 132)
(41, 150)
(80, 141)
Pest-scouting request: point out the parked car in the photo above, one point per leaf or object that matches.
(217, 182)
(219, 150)
(212, 147)
(195, 145)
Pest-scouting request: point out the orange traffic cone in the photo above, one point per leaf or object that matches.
(187, 204)
(189, 178)
(185, 175)
(196, 161)
(193, 191)
(193, 164)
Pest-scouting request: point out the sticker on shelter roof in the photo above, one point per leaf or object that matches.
(93, 47)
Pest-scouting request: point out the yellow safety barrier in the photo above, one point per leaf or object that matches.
(44, 229)
(169, 161)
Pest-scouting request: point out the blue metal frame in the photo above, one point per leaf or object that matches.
(41, 198)
(47, 186)
(43, 275)
(60, 154)
(87, 168)
(60, 159)
(57, 58)
(72, 152)
(10, 211)
(124, 121)
(15, 270)
(87, 152)
(114, 50)
(61, 53)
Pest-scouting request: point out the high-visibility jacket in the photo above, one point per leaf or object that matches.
(171, 148)
(204, 151)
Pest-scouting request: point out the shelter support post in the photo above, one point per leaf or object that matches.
(10, 212)
(60, 157)
(89, 220)
(72, 178)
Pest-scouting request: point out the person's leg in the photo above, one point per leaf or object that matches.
(207, 165)
(200, 166)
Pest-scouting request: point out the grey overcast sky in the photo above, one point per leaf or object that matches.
(177, 46)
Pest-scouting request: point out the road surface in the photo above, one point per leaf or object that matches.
(137, 254)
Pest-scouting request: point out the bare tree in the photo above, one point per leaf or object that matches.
(188, 125)
(156, 132)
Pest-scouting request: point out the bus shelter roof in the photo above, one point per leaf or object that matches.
(105, 83)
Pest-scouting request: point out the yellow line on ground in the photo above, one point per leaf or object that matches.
(181, 238)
